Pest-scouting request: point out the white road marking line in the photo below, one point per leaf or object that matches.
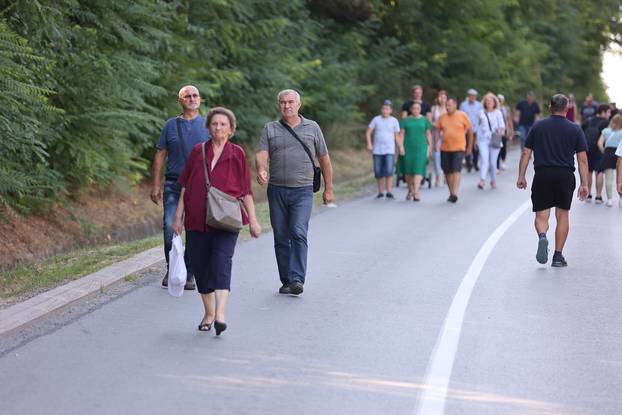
(438, 374)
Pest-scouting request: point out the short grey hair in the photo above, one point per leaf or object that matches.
(559, 103)
(183, 88)
(287, 92)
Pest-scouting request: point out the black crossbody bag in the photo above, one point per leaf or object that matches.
(317, 172)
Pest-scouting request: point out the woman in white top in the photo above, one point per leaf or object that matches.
(608, 143)
(438, 109)
(490, 122)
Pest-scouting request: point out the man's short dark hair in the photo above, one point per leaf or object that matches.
(559, 103)
(602, 108)
(452, 99)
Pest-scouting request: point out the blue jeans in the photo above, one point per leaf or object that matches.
(523, 130)
(172, 190)
(383, 165)
(290, 211)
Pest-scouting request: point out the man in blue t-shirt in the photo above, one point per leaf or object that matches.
(528, 113)
(175, 150)
(554, 142)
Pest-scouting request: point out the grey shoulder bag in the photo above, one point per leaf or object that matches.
(495, 138)
(317, 172)
(222, 211)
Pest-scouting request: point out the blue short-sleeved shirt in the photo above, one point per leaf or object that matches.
(193, 131)
(554, 141)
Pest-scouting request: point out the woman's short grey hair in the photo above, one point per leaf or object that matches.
(559, 103)
(287, 92)
(221, 111)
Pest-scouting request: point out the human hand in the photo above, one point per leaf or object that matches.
(620, 188)
(254, 229)
(469, 152)
(156, 196)
(521, 183)
(370, 147)
(327, 196)
(262, 177)
(582, 192)
(178, 226)
(402, 151)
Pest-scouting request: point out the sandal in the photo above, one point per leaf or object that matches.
(205, 326)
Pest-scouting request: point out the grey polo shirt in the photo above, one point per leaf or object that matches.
(289, 163)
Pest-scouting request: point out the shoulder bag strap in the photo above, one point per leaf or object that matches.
(488, 119)
(291, 131)
(181, 137)
(207, 182)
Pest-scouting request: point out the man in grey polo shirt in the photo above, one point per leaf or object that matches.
(290, 186)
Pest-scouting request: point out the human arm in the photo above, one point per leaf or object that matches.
(400, 141)
(428, 139)
(470, 144)
(368, 132)
(521, 183)
(253, 225)
(619, 175)
(601, 143)
(156, 175)
(327, 172)
(583, 174)
(178, 223)
(261, 166)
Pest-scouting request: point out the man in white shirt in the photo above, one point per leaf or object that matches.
(385, 129)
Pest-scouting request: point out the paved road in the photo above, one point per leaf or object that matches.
(382, 277)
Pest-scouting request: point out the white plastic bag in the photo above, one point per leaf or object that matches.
(177, 268)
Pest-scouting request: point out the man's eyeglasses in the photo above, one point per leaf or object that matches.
(191, 96)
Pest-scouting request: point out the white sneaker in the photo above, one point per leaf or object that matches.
(609, 202)
(503, 166)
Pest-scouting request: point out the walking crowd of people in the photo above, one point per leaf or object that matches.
(207, 181)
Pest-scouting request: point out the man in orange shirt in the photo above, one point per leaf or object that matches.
(454, 125)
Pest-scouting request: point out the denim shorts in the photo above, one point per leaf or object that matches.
(383, 165)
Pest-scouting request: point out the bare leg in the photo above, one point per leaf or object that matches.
(209, 303)
(449, 178)
(561, 231)
(600, 181)
(542, 221)
(454, 184)
(417, 185)
(589, 183)
(221, 302)
(380, 185)
(411, 185)
(389, 184)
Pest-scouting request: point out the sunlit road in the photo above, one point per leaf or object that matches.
(382, 276)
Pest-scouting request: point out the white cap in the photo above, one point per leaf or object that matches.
(471, 91)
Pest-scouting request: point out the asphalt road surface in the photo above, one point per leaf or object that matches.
(409, 308)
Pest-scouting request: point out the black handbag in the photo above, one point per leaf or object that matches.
(317, 172)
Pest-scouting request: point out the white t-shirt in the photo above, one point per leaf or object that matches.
(619, 150)
(384, 134)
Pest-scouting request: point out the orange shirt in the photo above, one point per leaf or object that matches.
(454, 128)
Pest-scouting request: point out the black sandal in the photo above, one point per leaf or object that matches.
(205, 326)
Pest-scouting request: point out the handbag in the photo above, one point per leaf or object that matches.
(317, 172)
(495, 139)
(222, 211)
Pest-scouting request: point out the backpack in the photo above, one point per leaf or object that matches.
(592, 133)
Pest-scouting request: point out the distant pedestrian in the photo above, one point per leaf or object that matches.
(454, 127)
(589, 108)
(385, 131)
(439, 108)
(491, 127)
(417, 96)
(608, 143)
(619, 171)
(528, 113)
(290, 185)
(554, 141)
(210, 250)
(179, 136)
(572, 106)
(509, 132)
(593, 128)
(415, 145)
(472, 108)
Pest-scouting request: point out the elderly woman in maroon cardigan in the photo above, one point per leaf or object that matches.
(210, 250)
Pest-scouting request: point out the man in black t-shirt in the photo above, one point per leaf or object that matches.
(528, 112)
(417, 96)
(554, 141)
(593, 128)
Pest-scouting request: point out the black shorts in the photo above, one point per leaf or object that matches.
(610, 159)
(595, 160)
(552, 187)
(451, 161)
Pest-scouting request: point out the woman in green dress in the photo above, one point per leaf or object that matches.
(415, 144)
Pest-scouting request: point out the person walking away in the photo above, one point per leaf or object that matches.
(438, 109)
(290, 185)
(589, 108)
(472, 107)
(572, 106)
(385, 130)
(528, 113)
(593, 128)
(608, 143)
(509, 132)
(454, 126)
(415, 144)
(490, 126)
(177, 139)
(210, 250)
(554, 141)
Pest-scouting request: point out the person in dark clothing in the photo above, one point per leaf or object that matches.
(554, 142)
(528, 113)
(593, 128)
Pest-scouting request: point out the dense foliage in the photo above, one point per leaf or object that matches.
(87, 85)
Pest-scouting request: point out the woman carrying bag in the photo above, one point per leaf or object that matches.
(222, 166)
(490, 133)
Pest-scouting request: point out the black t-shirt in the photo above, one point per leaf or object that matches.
(593, 128)
(425, 107)
(528, 113)
(554, 141)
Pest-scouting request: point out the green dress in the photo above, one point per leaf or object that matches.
(415, 158)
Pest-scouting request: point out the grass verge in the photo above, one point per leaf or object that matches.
(31, 279)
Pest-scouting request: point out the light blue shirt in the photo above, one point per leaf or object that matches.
(473, 110)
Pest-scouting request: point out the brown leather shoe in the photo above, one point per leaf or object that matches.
(190, 284)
